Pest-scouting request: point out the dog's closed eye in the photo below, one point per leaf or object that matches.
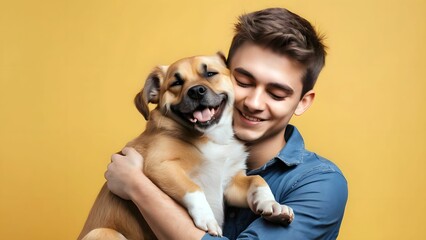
(178, 80)
(211, 74)
(207, 73)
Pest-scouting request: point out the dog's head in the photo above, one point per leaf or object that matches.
(195, 91)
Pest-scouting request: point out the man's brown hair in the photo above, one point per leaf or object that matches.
(285, 33)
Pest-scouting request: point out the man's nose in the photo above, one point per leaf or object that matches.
(255, 100)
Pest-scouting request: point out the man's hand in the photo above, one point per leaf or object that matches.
(124, 173)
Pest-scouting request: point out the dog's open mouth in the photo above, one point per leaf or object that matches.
(204, 116)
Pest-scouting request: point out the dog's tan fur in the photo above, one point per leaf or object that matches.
(179, 154)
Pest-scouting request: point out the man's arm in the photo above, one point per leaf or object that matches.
(318, 201)
(167, 219)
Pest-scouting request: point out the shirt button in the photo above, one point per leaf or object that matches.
(232, 214)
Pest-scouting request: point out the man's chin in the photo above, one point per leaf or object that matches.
(245, 136)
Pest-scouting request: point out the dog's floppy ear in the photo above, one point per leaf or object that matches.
(151, 90)
(222, 56)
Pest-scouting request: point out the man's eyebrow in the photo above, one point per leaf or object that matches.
(244, 72)
(282, 87)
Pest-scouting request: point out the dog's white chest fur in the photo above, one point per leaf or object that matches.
(222, 160)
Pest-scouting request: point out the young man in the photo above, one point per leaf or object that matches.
(275, 57)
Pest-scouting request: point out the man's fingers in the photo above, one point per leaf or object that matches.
(116, 156)
(134, 156)
(107, 172)
(129, 151)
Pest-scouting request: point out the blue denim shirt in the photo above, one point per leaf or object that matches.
(313, 186)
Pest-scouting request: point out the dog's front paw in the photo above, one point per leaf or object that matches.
(209, 225)
(275, 212)
(201, 213)
(262, 202)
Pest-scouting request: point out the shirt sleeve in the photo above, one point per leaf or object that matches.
(318, 200)
(210, 237)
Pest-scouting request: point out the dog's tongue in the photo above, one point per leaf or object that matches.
(204, 115)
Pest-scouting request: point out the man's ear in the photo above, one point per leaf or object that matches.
(151, 90)
(305, 102)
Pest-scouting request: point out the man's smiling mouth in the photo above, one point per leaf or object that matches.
(253, 119)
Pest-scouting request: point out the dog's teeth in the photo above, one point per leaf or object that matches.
(203, 115)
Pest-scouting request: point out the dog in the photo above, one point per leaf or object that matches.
(189, 152)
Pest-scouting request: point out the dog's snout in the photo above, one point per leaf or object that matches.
(197, 92)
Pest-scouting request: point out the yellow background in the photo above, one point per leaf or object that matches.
(69, 71)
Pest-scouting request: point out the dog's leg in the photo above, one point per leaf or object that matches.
(104, 233)
(174, 181)
(254, 192)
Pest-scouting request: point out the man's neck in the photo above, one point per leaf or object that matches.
(262, 152)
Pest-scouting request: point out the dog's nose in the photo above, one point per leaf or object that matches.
(197, 92)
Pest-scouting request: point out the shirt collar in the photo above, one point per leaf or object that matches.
(292, 153)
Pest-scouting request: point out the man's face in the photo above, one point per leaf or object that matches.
(268, 89)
